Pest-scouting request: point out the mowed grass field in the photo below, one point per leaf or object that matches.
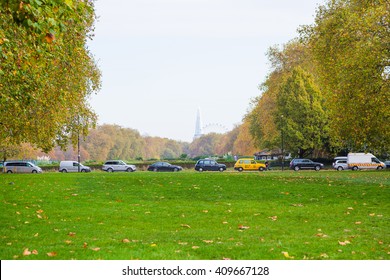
(190, 216)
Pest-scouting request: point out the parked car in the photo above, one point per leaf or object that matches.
(387, 163)
(364, 161)
(118, 165)
(164, 166)
(340, 164)
(303, 163)
(21, 167)
(209, 165)
(249, 164)
(72, 166)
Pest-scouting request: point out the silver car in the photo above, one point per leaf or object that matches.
(340, 164)
(21, 167)
(118, 165)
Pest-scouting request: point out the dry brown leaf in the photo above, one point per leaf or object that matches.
(95, 249)
(26, 252)
(126, 240)
(40, 211)
(273, 218)
(34, 252)
(85, 245)
(185, 225)
(72, 234)
(242, 227)
(52, 254)
(208, 241)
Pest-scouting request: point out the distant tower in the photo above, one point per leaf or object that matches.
(198, 125)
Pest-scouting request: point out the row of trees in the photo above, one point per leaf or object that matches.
(329, 89)
(115, 142)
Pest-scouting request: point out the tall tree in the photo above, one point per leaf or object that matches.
(46, 71)
(300, 115)
(351, 44)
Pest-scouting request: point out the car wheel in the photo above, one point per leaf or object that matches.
(220, 169)
(340, 168)
(200, 169)
(83, 170)
(175, 169)
(155, 169)
(34, 171)
(261, 169)
(380, 167)
(240, 169)
(64, 171)
(317, 168)
(355, 168)
(296, 168)
(129, 170)
(110, 170)
(9, 171)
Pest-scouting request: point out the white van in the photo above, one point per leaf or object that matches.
(364, 161)
(72, 166)
(21, 167)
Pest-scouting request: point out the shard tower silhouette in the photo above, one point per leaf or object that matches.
(198, 125)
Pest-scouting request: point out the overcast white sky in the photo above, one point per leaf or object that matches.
(161, 60)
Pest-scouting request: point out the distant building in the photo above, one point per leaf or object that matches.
(271, 154)
(198, 125)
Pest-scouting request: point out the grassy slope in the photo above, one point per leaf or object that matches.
(187, 215)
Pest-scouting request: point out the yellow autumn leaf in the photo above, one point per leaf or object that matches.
(286, 255)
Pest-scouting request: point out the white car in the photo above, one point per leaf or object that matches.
(72, 166)
(118, 165)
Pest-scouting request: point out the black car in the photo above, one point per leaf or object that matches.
(303, 163)
(164, 166)
(209, 165)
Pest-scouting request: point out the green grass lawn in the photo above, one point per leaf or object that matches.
(187, 215)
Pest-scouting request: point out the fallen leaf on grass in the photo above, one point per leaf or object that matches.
(52, 254)
(343, 243)
(208, 241)
(242, 227)
(273, 218)
(95, 249)
(126, 240)
(286, 255)
(26, 252)
(185, 225)
(85, 245)
(195, 247)
(358, 223)
(72, 234)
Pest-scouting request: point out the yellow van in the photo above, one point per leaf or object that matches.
(249, 164)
